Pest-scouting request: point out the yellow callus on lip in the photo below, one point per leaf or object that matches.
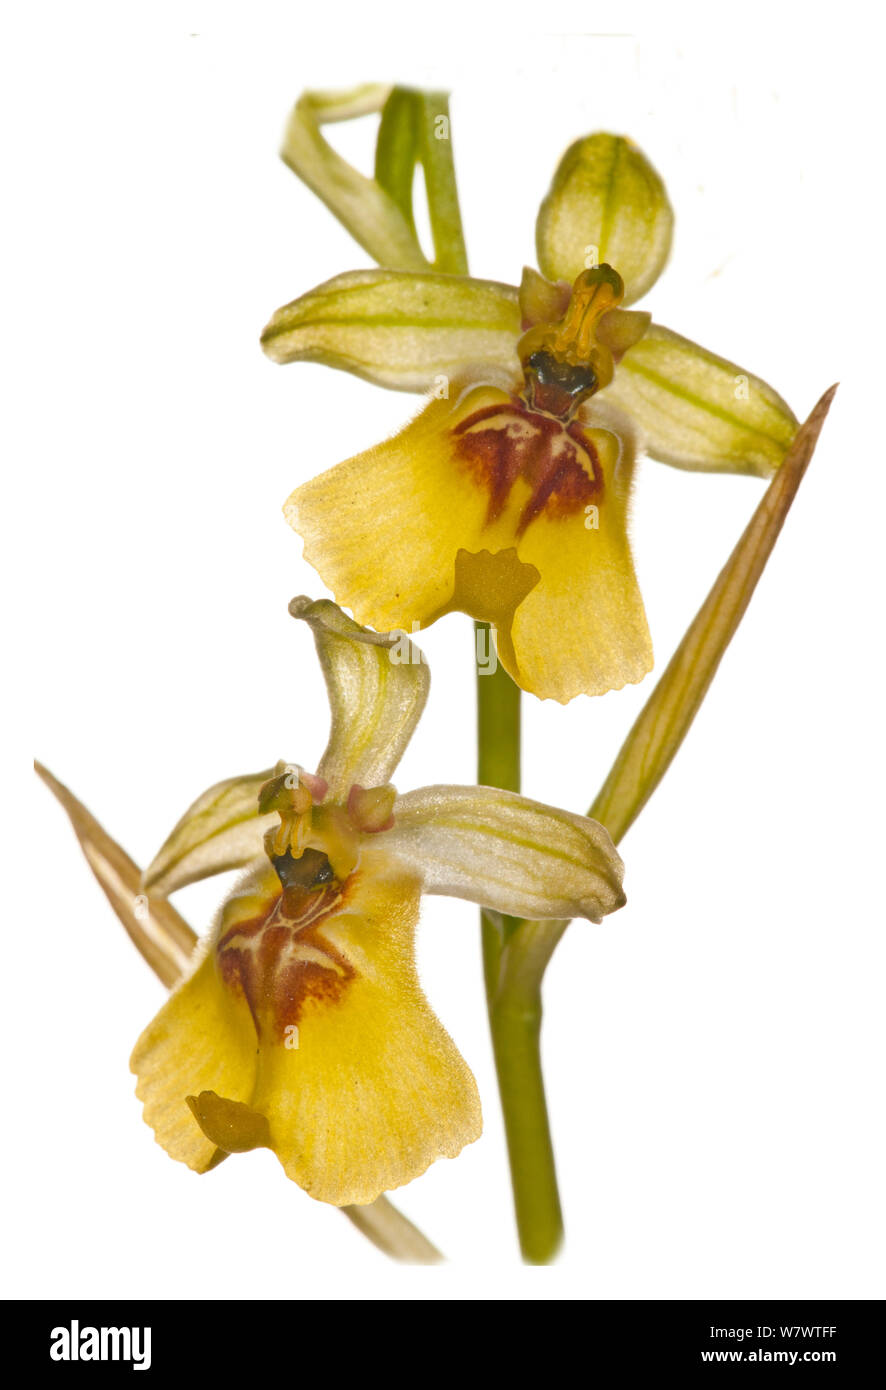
(315, 1040)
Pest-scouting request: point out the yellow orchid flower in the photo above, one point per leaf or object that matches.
(302, 1026)
(507, 497)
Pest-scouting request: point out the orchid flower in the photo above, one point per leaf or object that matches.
(302, 1026)
(299, 1024)
(507, 497)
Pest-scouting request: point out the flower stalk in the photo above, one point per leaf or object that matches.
(514, 1002)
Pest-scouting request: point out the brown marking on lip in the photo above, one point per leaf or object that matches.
(279, 964)
(502, 443)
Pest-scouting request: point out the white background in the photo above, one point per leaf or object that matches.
(714, 1051)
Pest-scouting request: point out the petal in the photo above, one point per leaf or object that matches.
(378, 685)
(620, 329)
(606, 204)
(383, 529)
(202, 1039)
(221, 830)
(370, 214)
(541, 301)
(582, 629)
(507, 852)
(361, 1087)
(699, 411)
(399, 330)
(667, 716)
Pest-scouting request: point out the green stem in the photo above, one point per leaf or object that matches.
(513, 995)
(514, 1000)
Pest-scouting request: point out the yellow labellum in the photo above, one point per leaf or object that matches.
(314, 1040)
(484, 506)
